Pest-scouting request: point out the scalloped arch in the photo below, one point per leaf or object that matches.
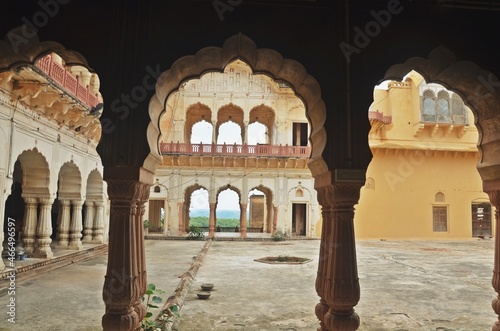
(262, 61)
(473, 85)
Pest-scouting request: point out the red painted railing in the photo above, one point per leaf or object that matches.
(379, 116)
(66, 80)
(239, 150)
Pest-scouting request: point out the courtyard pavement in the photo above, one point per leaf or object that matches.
(405, 285)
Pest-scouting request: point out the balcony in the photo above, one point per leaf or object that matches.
(235, 150)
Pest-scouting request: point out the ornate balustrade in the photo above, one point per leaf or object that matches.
(237, 150)
(66, 80)
(379, 116)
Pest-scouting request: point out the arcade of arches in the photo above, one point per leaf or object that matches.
(253, 135)
(50, 173)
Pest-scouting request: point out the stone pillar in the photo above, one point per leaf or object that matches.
(44, 229)
(325, 197)
(185, 216)
(341, 286)
(125, 280)
(269, 217)
(493, 190)
(180, 208)
(63, 223)
(243, 220)
(30, 220)
(275, 218)
(211, 221)
(214, 133)
(76, 226)
(98, 226)
(89, 222)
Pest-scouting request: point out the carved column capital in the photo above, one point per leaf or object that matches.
(125, 194)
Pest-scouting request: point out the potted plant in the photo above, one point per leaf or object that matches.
(146, 227)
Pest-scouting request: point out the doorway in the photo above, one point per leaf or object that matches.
(299, 219)
(481, 219)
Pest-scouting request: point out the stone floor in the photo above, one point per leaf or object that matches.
(411, 285)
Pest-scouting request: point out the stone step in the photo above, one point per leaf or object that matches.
(30, 270)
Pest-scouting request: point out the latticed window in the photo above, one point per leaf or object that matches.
(429, 106)
(443, 107)
(440, 218)
(439, 197)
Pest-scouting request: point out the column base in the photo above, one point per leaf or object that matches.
(97, 241)
(346, 321)
(87, 240)
(76, 246)
(43, 253)
(62, 245)
(118, 322)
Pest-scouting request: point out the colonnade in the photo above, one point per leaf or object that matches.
(37, 225)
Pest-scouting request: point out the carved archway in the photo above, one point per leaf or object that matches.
(262, 61)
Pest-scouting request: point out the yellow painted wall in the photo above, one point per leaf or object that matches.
(412, 161)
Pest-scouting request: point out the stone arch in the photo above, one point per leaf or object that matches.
(194, 114)
(95, 185)
(188, 192)
(264, 61)
(269, 194)
(230, 112)
(265, 115)
(70, 181)
(36, 174)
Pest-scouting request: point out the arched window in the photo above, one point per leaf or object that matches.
(429, 106)
(229, 133)
(201, 133)
(443, 107)
(257, 134)
(439, 197)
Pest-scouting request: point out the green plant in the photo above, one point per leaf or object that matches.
(282, 258)
(278, 236)
(150, 299)
(146, 224)
(195, 233)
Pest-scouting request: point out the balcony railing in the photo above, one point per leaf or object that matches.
(66, 80)
(237, 150)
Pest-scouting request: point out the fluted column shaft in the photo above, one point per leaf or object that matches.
(76, 226)
(325, 197)
(30, 220)
(88, 224)
(44, 229)
(211, 221)
(337, 280)
(98, 226)
(63, 221)
(243, 220)
(126, 279)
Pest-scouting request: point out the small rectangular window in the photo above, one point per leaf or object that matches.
(440, 218)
